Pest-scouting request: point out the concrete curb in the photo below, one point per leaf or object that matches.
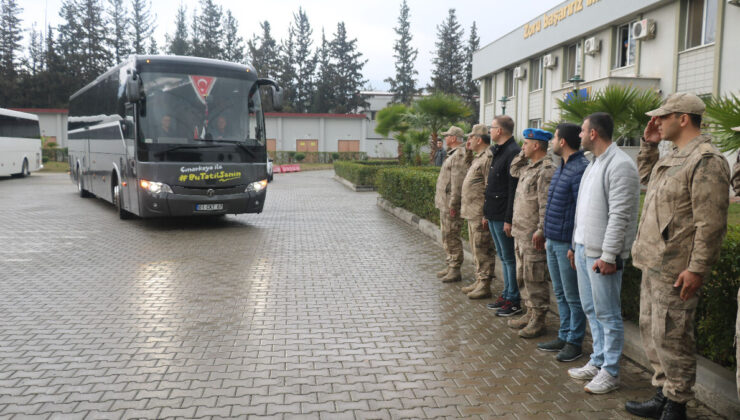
(353, 187)
(715, 386)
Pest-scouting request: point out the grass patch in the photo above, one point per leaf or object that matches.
(52, 166)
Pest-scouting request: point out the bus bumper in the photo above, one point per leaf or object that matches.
(161, 205)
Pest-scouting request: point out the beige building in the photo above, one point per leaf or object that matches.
(674, 45)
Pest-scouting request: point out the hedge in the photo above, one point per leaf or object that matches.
(360, 174)
(413, 188)
(281, 156)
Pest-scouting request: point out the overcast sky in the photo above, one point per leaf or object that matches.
(370, 21)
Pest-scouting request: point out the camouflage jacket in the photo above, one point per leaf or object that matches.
(736, 176)
(474, 186)
(530, 201)
(684, 217)
(449, 183)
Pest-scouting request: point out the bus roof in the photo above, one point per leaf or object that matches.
(18, 114)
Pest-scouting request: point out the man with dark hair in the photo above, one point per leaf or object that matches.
(473, 194)
(534, 168)
(498, 209)
(559, 219)
(439, 156)
(447, 199)
(603, 232)
(684, 219)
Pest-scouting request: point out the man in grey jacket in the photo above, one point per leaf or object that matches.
(605, 227)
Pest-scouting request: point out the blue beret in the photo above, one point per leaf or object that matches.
(537, 134)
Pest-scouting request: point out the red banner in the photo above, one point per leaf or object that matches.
(289, 168)
(202, 86)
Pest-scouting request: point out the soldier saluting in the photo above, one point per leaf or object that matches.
(447, 199)
(684, 220)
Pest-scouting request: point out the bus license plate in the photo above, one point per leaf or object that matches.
(209, 207)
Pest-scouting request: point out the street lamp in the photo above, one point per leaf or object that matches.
(576, 80)
(504, 99)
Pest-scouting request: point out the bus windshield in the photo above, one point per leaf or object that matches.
(187, 111)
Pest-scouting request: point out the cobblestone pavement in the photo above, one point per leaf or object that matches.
(324, 306)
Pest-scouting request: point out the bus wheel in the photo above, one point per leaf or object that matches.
(81, 188)
(25, 171)
(118, 201)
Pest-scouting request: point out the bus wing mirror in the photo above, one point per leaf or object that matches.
(133, 88)
(277, 97)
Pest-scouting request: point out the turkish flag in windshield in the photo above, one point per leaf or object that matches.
(202, 86)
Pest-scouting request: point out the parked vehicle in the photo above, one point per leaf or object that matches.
(20, 143)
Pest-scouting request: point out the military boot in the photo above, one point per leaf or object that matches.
(651, 409)
(469, 288)
(536, 325)
(673, 411)
(483, 291)
(520, 322)
(443, 273)
(452, 276)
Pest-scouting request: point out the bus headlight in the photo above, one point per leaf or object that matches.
(154, 187)
(257, 186)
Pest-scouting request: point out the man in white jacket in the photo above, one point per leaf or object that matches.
(605, 227)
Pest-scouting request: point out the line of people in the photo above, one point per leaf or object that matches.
(577, 223)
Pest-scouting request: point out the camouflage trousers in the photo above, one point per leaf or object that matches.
(484, 252)
(737, 341)
(667, 331)
(532, 274)
(451, 239)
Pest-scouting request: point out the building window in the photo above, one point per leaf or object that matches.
(536, 74)
(701, 22)
(572, 61)
(509, 83)
(536, 123)
(625, 47)
(487, 89)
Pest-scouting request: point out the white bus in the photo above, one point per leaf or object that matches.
(20, 143)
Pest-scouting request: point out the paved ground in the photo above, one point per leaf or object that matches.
(324, 306)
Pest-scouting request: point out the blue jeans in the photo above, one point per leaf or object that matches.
(565, 285)
(505, 251)
(600, 297)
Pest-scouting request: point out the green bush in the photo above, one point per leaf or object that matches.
(412, 188)
(360, 174)
(334, 156)
(299, 157)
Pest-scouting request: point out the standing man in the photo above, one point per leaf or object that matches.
(439, 156)
(559, 220)
(447, 199)
(473, 195)
(534, 168)
(736, 187)
(498, 209)
(605, 226)
(684, 219)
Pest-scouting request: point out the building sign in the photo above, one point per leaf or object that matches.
(555, 17)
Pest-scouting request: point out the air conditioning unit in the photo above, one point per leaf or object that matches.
(592, 46)
(520, 72)
(644, 29)
(549, 61)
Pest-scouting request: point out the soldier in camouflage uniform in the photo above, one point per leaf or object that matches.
(473, 195)
(447, 199)
(736, 187)
(684, 220)
(535, 169)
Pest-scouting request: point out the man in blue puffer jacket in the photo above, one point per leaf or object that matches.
(559, 220)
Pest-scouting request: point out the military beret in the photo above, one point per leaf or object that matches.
(537, 134)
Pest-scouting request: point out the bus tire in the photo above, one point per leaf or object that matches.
(80, 187)
(25, 170)
(118, 201)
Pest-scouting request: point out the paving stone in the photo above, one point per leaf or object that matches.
(323, 306)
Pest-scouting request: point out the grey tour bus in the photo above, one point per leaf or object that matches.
(165, 136)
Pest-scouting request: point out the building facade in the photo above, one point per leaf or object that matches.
(667, 45)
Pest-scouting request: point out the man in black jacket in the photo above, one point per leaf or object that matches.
(498, 209)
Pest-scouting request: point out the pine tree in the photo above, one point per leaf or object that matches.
(448, 74)
(95, 57)
(304, 62)
(264, 53)
(210, 32)
(233, 48)
(56, 93)
(471, 90)
(403, 85)
(10, 49)
(35, 61)
(287, 74)
(143, 24)
(324, 95)
(119, 22)
(178, 44)
(195, 34)
(348, 65)
(153, 47)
